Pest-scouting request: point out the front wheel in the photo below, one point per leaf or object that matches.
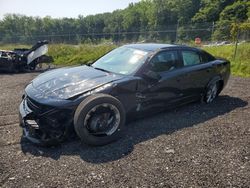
(99, 119)
(212, 92)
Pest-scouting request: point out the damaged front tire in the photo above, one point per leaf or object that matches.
(99, 119)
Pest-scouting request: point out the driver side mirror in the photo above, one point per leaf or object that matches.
(152, 75)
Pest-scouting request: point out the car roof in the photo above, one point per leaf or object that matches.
(152, 46)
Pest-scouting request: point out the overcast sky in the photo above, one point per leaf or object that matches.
(61, 8)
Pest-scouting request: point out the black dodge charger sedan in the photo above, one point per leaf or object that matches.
(94, 100)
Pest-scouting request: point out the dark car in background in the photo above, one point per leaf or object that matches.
(95, 100)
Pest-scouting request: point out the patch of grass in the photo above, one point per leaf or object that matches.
(12, 46)
(64, 54)
(79, 54)
(240, 66)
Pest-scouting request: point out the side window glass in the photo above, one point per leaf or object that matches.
(204, 58)
(190, 58)
(164, 61)
(207, 57)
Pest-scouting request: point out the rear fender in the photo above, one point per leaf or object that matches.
(213, 80)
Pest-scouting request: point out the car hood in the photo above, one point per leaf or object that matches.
(67, 82)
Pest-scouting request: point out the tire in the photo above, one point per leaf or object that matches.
(212, 92)
(87, 113)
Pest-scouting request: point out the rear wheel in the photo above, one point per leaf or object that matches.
(99, 119)
(211, 92)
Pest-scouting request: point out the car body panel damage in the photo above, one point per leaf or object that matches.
(24, 59)
(164, 76)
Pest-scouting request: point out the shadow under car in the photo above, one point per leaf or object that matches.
(140, 130)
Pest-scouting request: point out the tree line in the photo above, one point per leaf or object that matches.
(147, 20)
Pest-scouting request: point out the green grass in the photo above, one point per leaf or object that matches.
(12, 46)
(80, 54)
(240, 66)
(66, 55)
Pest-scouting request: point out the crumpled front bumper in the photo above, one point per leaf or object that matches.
(30, 127)
(43, 128)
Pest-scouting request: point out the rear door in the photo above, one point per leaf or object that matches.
(196, 72)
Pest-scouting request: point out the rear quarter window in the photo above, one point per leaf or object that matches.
(190, 58)
(206, 57)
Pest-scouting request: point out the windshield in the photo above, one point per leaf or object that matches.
(123, 60)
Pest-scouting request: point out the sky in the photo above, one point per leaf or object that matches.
(61, 8)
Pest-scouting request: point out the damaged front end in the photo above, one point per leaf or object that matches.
(50, 101)
(44, 125)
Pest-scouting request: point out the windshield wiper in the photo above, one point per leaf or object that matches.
(100, 69)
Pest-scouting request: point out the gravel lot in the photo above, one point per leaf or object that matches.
(196, 145)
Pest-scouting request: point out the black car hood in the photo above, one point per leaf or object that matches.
(68, 82)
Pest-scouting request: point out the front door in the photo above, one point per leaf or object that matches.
(168, 88)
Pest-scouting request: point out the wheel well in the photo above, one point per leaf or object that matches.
(220, 84)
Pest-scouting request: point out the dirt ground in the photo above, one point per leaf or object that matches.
(196, 145)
